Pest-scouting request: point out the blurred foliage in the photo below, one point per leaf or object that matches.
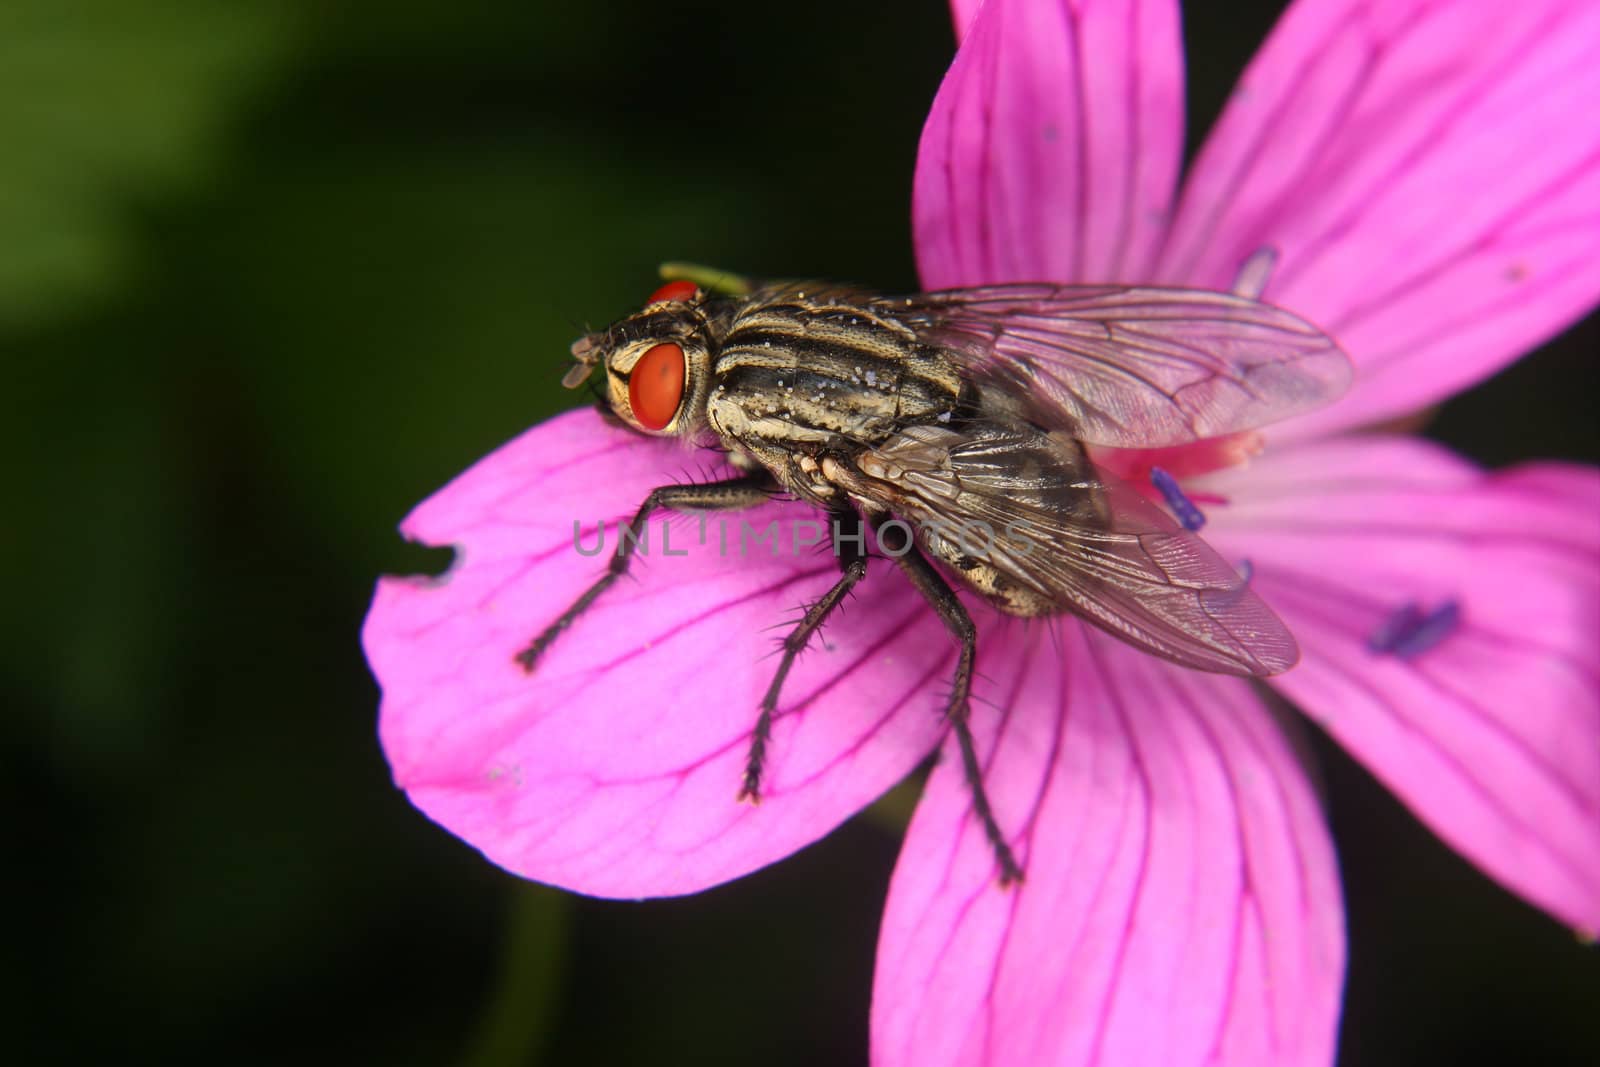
(272, 272)
(102, 101)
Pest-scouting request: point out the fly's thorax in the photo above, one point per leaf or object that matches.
(817, 371)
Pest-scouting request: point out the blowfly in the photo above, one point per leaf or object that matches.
(929, 416)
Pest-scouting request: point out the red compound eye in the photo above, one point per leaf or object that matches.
(655, 387)
(682, 291)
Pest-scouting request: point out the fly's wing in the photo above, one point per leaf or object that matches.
(1030, 505)
(1140, 367)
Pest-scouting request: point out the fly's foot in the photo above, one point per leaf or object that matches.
(750, 787)
(528, 658)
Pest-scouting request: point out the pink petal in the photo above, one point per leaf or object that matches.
(962, 12)
(613, 770)
(1053, 145)
(1180, 902)
(1493, 736)
(1429, 173)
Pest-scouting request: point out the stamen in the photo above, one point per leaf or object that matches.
(1188, 515)
(1255, 274)
(1400, 622)
(1433, 628)
(1247, 571)
(1410, 631)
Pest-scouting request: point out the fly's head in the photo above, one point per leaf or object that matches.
(657, 363)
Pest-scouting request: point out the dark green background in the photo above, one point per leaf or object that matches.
(269, 274)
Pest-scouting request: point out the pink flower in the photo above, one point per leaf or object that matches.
(1428, 175)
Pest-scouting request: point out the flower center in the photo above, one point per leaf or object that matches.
(1158, 472)
(1180, 461)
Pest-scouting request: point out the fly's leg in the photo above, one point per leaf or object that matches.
(948, 606)
(854, 564)
(732, 494)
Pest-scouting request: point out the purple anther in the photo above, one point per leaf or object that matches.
(1247, 571)
(1393, 629)
(1432, 628)
(1410, 631)
(1181, 506)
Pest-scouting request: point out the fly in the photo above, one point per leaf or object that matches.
(927, 417)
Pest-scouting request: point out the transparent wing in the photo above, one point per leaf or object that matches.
(1030, 505)
(1136, 367)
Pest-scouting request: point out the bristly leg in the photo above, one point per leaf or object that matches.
(730, 495)
(854, 564)
(938, 593)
